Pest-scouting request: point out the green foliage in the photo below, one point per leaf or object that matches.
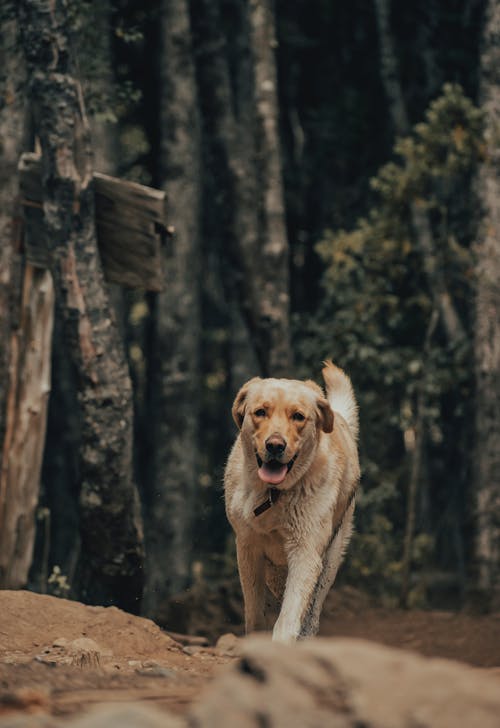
(375, 316)
(58, 584)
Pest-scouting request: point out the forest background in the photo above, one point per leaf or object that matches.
(332, 176)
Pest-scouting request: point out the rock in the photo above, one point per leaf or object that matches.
(21, 720)
(228, 645)
(82, 652)
(188, 639)
(60, 642)
(126, 716)
(192, 649)
(154, 669)
(29, 700)
(345, 683)
(132, 715)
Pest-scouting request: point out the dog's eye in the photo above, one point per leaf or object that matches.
(260, 412)
(298, 417)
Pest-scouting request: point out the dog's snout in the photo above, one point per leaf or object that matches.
(275, 445)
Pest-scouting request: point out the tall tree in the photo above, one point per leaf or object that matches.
(112, 552)
(61, 472)
(26, 317)
(487, 329)
(12, 118)
(436, 280)
(238, 84)
(174, 413)
(389, 70)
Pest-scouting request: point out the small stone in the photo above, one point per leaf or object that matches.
(157, 671)
(60, 642)
(192, 649)
(228, 645)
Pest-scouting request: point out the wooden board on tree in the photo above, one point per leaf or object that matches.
(131, 226)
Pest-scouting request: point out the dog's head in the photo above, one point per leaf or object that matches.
(280, 422)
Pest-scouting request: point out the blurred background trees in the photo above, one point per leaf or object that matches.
(331, 171)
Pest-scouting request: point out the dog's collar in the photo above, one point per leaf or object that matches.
(272, 496)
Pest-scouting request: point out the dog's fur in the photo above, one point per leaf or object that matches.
(294, 546)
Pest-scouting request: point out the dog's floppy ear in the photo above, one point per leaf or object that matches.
(239, 404)
(325, 413)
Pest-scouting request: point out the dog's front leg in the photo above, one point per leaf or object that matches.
(252, 578)
(304, 569)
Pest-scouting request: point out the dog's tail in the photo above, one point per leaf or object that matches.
(341, 395)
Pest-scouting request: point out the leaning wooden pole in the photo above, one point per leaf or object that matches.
(111, 532)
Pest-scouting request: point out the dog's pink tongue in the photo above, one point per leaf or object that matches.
(272, 475)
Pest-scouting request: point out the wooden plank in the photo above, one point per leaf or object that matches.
(131, 226)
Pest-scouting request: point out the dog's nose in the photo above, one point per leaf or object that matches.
(275, 445)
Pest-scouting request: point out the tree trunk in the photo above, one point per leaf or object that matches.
(175, 396)
(12, 117)
(242, 129)
(272, 273)
(29, 387)
(417, 449)
(424, 238)
(436, 281)
(26, 314)
(487, 330)
(112, 551)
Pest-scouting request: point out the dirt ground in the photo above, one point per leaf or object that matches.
(59, 656)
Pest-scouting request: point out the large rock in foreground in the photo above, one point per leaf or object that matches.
(57, 658)
(345, 683)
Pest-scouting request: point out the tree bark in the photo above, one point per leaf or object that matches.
(241, 119)
(487, 317)
(389, 71)
(272, 275)
(416, 468)
(112, 550)
(26, 314)
(175, 395)
(12, 118)
(29, 387)
(442, 300)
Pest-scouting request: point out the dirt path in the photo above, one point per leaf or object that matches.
(455, 636)
(60, 656)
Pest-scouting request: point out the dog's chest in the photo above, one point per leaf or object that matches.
(267, 517)
(274, 549)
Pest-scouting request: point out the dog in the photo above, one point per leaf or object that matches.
(289, 485)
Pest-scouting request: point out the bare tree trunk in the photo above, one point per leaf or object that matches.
(273, 275)
(174, 413)
(29, 387)
(112, 552)
(12, 117)
(243, 133)
(487, 330)
(436, 281)
(418, 448)
(389, 69)
(26, 315)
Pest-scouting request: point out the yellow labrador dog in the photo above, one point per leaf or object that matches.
(290, 482)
